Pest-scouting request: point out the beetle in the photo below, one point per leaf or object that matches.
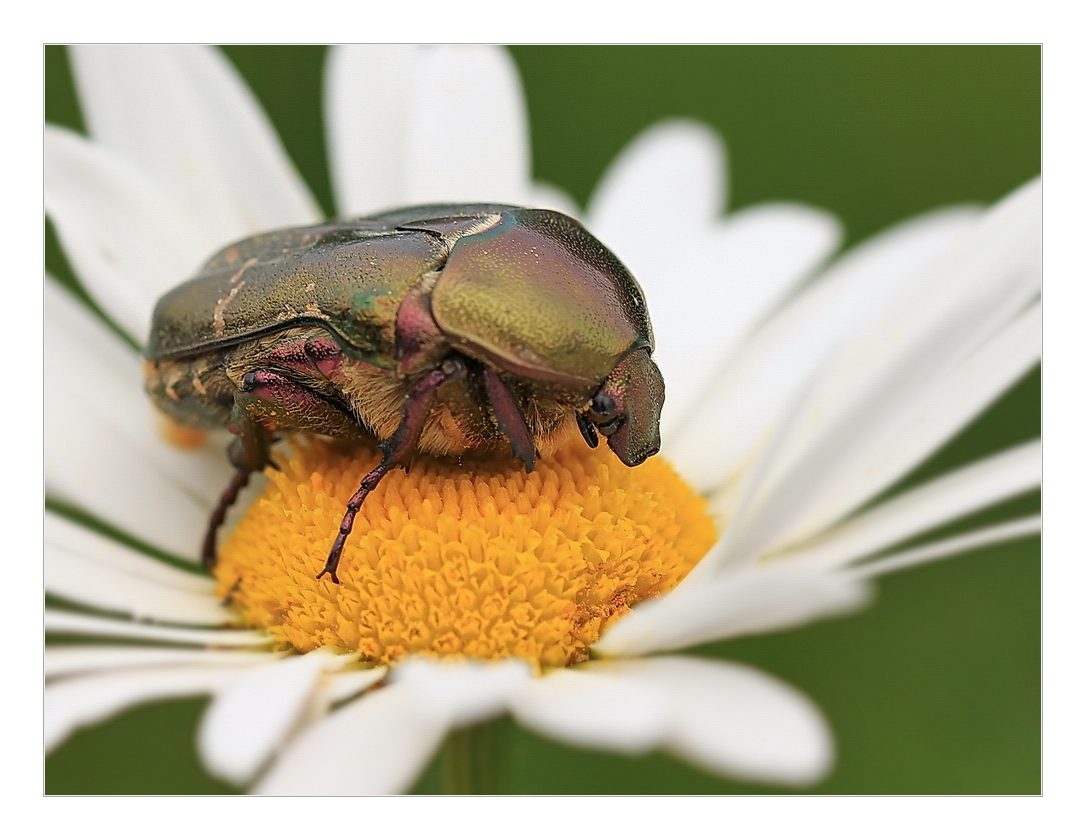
(438, 329)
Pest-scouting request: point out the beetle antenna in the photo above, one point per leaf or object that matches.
(394, 449)
(588, 431)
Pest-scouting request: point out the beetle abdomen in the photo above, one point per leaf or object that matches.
(191, 391)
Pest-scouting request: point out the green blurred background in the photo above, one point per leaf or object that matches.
(936, 689)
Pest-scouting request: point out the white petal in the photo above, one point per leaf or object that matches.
(593, 708)
(124, 238)
(84, 567)
(112, 379)
(738, 602)
(940, 409)
(1004, 532)
(726, 718)
(93, 547)
(411, 125)
(83, 701)
(94, 465)
(375, 745)
(976, 486)
(706, 293)
(252, 717)
(707, 281)
(947, 310)
(367, 95)
(469, 138)
(65, 660)
(59, 621)
(463, 692)
(69, 324)
(743, 402)
(346, 684)
(551, 197)
(897, 364)
(381, 742)
(895, 434)
(671, 176)
(184, 116)
(108, 457)
(736, 721)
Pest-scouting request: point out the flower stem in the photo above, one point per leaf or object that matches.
(470, 759)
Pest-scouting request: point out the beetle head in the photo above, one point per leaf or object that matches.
(626, 409)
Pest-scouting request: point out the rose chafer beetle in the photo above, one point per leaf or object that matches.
(438, 329)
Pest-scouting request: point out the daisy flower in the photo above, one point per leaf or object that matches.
(800, 389)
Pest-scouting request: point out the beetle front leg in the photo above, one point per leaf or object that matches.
(510, 419)
(226, 501)
(393, 450)
(248, 452)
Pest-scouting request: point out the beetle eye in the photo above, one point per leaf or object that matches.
(605, 414)
(603, 409)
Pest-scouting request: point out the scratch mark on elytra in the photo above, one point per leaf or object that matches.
(236, 284)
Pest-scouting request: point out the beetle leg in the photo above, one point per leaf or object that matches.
(511, 420)
(226, 501)
(308, 354)
(249, 449)
(248, 452)
(282, 402)
(394, 449)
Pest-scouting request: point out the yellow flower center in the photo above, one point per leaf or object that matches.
(475, 559)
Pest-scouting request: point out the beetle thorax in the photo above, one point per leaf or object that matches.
(460, 419)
